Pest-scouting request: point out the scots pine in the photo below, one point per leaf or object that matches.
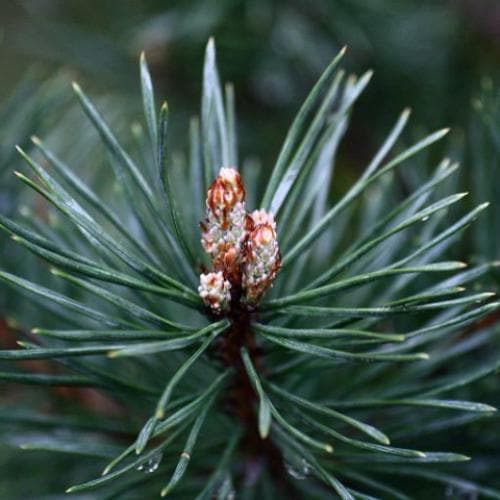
(253, 337)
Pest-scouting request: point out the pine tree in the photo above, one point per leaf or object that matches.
(303, 349)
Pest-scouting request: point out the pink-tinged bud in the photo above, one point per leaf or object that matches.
(262, 256)
(215, 291)
(224, 229)
(259, 217)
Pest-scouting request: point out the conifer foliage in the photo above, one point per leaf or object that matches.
(259, 339)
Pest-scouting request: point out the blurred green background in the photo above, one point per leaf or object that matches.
(426, 54)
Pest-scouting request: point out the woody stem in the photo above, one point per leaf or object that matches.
(240, 400)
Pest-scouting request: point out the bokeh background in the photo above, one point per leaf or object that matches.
(430, 55)
(440, 57)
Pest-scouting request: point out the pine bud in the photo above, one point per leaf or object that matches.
(215, 291)
(224, 229)
(262, 255)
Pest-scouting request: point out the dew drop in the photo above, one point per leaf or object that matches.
(298, 471)
(306, 467)
(151, 465)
